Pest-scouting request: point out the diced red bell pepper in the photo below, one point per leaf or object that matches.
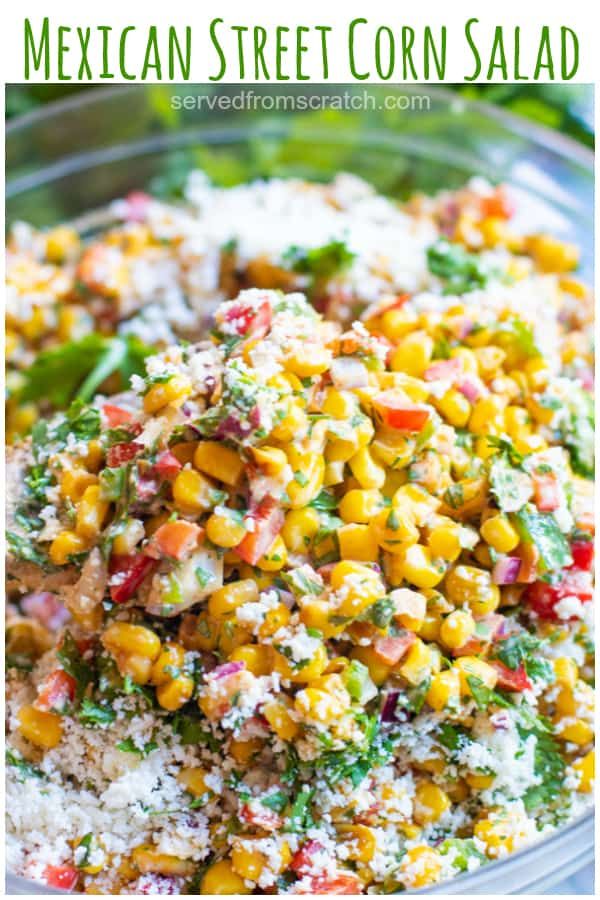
(583, 555)
(122, 453)
(390, 650)
(398, 414)
(175, 540)
(250, 320)
(333, 884)
(127, 571)
(303, 860)
(444, 369)
(167, 466)
(511, 679)
(542, 597)
(488, 627)
(57, 691)
(64, 877)
(499, 204)
(266, 819)
(264, 524)
(115, 416)
(546, 494)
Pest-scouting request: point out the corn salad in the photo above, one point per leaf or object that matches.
(329, 592)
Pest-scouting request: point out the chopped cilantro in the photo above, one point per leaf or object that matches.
(462, 272)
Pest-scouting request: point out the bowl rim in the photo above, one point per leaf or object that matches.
(542, 135)
(549, 138)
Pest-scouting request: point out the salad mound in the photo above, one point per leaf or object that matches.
(327, 593)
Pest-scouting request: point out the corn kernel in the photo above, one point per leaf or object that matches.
(444, 541)
(64, 546)
(91, 513)
(499, 534)
(444, 690)
(170, 660)
(225, 529)
(470, 667)
(278, 716)
(257, 657)
(473, 587)
(74, 482)
(360, 841)
(416, 665)
(175, 390)
(565, 671)
(220, 878)
(457, 628)
(358, 542)
(299, 528)
(123, 637)
(413, 354)
(192, 492)
(586, 769)
(44, 729)
(218, 461)
(175, 693)
(419, 568)
(148, 859)
(431, 802)
(247, 863)
(420, 866)
(455, 408)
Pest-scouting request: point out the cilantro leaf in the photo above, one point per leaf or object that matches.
(96, 713)
(74, 664)
(322, 263)
(462, 272)
(25, 769)
(129, 746)
(542, 530)
(24, 548)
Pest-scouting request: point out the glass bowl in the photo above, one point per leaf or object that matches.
(72, 158)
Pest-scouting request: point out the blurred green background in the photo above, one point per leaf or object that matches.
(567, 108)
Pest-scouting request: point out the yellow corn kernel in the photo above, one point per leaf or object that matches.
(417, 663)
(277, 617)
(199, 632)
(309, 471)
(444, 690)
(360, 505)
(148, 859)
(338, 404)
(225, 529)
(123, 637)
(479, 782)
(247, 863)
(91, 513)
(130, 534)
(220, 878)
(457, 628)
(410, 608)
(73, 322)
(315, 613)
(473, 587)
(420, 866)
(170, 660)
(334, 473)
(314, 703)
(358, 585)
(293, 423)
(304, 364)
(416, 501)
(278, 716)
(455, 408)
(419, 568)
(74, 482)
(44, 729)
(193, 780)
(360, 841)
(576, 731)
(192, 492)
(244, 751)
(394, 530)
(27, 637)
(396, 323)
(341, 448)
(367, 472)
(61, 243)
(501, 832)
(65, 545)
(565, 671)
(586, 769)
(431, 802)
(444, 541)
(489, 360)
(275, 558)
(470, 667)
(358, 542)
(175, 693)
(257, 657)
(271, 460)
(499, 533)
(538, 372)
(219, 462)
(378, 670)
(551, 254)
(37, 325)
(175, 390)
(315, 667)
(299, 528)
(227, 599)
(413, 354)
(184, 451)
(487, 415)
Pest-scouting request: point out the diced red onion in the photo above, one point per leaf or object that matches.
(227, 669)
(443, 369)
(388, 710)
(470, 389)
(46, 608)
(506, 570)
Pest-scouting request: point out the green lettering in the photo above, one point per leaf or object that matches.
(152, 56)
(353, 25)
(408, 40)
(431, 50)
(517, 74)
(391, 53)
(63, 49)
(280, 49)
(184, 57)
(122, 54)
(240, 31)
(473, 47)
(324, 29)
(84, 40)
(33, 56)
(498, 48)
(544, 51)
(260, 40)
(217, 46)
(300, 49)
(565, 72)
(105, 73)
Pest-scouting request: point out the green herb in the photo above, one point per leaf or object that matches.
(463, 850)
(510, 486)
(96, 713)
(462, 272)
(518, 335)
(300, 817)
(549, 764)
(203, 576)
(74, 664)
(191, 731)
(301, 478)
(507, 447)
(578, 430)
(324, 502)
(301, 583)
(78, 368)
(87, 842)
(485, 696)
(276, 801)
(25, 769)
(113, 482)
(381, 612)
(523, 649)
(128, 746)
(321, 263)
(358, 682)
(24, 548)
(542, 530)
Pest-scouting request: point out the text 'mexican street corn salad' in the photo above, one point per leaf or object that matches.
(300, 542)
